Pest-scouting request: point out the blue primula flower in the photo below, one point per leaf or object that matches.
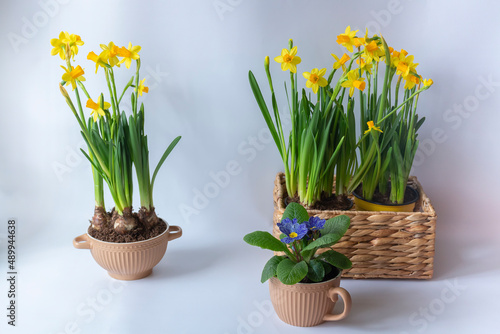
(315, 223)
(292, 229)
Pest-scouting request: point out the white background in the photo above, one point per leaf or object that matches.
(196, 56)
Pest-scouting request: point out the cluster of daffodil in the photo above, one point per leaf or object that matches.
(116, 144)
(322, 141)
(388, 118)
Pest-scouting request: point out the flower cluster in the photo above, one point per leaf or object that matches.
(293, 231)
(66, 46)
(369, 52)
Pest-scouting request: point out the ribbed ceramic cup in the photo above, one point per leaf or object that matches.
(308, 304)
(129, 261)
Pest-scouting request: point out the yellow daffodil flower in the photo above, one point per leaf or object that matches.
(73, 75)
(347, 38)
(97, 59)
(354, 81)
(59, 44)
(96, 108)
(397, 57)
(406, 66)
(340, 62)
(315, 79)
(74, 42)
(288, 60)
(373, 51)
(427, 82)
(110, 53)
(358, 41)
(371, 127)
(363, 65)
(411, 80)
(132, 52)
(142, 88)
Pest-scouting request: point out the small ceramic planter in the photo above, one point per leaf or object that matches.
(365, 205)
(129, 261)
(308, 304)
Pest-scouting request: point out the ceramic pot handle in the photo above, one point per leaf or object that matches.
(82, 242)
(177, 234)
(346, 297)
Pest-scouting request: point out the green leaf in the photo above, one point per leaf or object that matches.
(290, 273)
(307, 255)
(325, 241)
(162, 160)
(265, 111)
(337, 225)
(336, 259)
(265, 240)
(316, 271)
(271, 267)
(295, 210)
(328, 267)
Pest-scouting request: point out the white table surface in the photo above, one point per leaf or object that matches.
(213, 286)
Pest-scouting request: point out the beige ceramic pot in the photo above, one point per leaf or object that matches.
(308, 304)
(129, 261)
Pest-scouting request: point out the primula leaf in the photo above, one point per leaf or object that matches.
(265, 240)
(336, 259)
(290, 273)
(295, 210)
(328, 267)
(271, 267)
(337, 225)
(307, 255)
(325, 241)
(316, 271)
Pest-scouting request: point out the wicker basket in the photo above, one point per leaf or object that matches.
(380, 244)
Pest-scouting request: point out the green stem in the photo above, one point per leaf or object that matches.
(402, 104)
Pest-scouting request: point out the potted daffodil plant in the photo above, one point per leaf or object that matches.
(128, 244)
(304, 284)
(388, 123)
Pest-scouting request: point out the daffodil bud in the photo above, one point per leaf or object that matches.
(63, 91)
(268, 73)
(290, 43)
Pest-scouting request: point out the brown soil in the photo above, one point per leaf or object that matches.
(380, 198)
(333, 202)
(140, 233)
